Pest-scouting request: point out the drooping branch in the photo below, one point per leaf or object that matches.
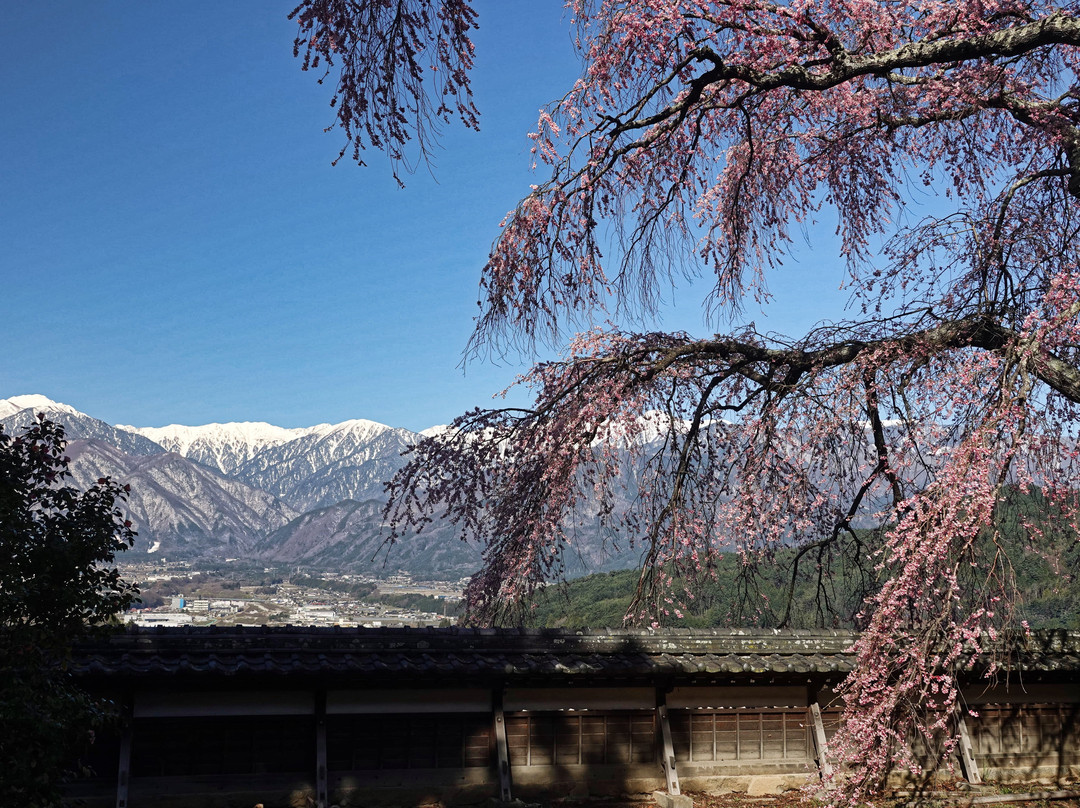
(515, 477)
(798, 111)
(403, 71)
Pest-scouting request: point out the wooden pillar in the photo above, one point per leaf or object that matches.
(821, 748)
(321, 789)
(123, 775)
(667, 752)
(967, 754)
(502, 749)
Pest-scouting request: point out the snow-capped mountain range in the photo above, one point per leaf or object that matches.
(221, 446)
(226, 489)
(308, 467)
(310, 494)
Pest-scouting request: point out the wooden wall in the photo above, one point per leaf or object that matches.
(363, 746)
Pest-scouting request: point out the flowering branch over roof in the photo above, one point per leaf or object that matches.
(700, 137)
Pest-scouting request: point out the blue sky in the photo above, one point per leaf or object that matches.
(175, 246)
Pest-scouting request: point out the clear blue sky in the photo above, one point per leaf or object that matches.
(175, 246)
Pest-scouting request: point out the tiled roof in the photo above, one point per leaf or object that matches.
(461, 655)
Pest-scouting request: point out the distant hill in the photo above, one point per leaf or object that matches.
(351, 534)
(180, 507)
(1046, 573)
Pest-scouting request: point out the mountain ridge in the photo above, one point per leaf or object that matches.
(216, 488)
(312, 494)
(223, 446)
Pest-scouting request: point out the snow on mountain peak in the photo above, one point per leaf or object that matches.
(357, 426)
(224, 446)
(10, 406)
(180, 438)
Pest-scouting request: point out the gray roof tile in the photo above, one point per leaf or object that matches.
(469, 655)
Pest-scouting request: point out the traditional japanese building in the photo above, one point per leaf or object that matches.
(293, 716)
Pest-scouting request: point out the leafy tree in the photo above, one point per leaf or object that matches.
(58, 583)
(701, 137)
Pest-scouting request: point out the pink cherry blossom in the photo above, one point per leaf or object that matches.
(701, 137)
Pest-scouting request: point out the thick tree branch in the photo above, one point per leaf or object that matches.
(779, 370)
(1056, 29)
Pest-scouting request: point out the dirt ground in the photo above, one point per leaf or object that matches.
(1027, 795)
(796, 800)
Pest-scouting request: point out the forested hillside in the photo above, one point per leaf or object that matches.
(1042, 558)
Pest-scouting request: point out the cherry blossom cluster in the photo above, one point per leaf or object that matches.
(941, 140)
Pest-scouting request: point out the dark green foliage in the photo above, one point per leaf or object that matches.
(598, 601)
(1037, 544)
(58, 583)
(1042, 545)
(724, 599)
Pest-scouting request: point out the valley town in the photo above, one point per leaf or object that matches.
(238, 593)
